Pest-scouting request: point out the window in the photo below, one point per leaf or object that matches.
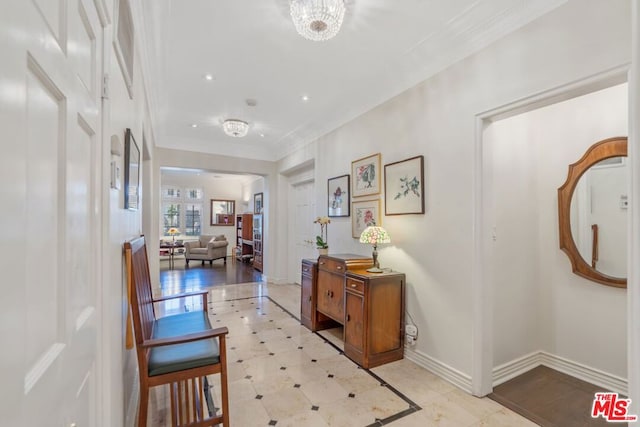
(194, 194)
(170, 192)
(193, 219)
(179, 210)
(171, 217)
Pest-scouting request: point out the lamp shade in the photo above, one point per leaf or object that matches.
(374, 235)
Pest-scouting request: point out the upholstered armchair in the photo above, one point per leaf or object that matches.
(206, 248)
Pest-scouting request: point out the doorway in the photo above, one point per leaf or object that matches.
(542, 313)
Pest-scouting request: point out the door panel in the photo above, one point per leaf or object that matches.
(51, 124)
(301, 227)
(354, 321)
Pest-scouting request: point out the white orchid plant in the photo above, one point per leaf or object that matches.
(321, 240)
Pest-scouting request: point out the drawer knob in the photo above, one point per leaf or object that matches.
(321, 262)
(348, 317)
(339, 267)
(353, 285)
(306, 269)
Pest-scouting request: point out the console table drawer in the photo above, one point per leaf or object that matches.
(332, 265)
(354, 285)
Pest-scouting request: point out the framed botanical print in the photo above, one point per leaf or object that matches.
(338, 196)
(365, 173)
(363, 214)
(404, 187)
(257, 203)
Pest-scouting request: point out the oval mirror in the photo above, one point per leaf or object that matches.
(592, 208)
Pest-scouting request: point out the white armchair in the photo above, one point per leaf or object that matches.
(206, 248)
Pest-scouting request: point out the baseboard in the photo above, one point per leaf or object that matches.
(275, 280)
(591, 375)
(132, 406)
(444, 371)
(519, 366)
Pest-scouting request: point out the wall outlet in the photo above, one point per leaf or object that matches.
(409, 340)
(411, 330)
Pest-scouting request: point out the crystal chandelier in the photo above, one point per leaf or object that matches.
(317, 20)
(235, 128)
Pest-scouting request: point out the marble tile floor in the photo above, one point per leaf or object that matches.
(281, 374)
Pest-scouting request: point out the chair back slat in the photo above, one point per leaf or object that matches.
(141, 298)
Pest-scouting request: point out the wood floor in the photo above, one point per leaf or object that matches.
(198, 276)
(550, 398)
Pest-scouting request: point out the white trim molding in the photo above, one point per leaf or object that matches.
(132, 406)
(633, 227)
(444, 371)
(591, 375)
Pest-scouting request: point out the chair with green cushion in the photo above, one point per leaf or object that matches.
(179, 350)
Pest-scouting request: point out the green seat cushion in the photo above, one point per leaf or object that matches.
(178, 357)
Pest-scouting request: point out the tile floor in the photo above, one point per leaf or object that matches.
(282, 374)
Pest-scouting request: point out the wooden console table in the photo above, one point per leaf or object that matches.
(370, 306)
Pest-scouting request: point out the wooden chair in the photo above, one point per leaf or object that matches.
(179, 350)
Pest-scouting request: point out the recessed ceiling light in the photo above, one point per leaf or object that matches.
(262, 135)
(208, 76)
(305, 98)
(194, 125)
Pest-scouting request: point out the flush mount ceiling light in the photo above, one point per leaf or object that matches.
(317, 20)
(235, 128)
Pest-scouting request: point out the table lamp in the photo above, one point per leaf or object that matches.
(375, 235)
(173, 231)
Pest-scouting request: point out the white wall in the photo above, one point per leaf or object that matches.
(437, 119)
(538, 303)
(121, 112)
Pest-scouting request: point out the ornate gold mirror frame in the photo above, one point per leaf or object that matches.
(612, 147)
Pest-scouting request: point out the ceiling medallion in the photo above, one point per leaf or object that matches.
(235, 128)
(317, 20)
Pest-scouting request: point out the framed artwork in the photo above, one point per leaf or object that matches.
(338, 196)
(404, 187)
(366, 176)
(131, 172)
(257, 203)
(364, 213)
(123, 42)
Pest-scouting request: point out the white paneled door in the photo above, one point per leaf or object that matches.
(50, 116)
(302, 209)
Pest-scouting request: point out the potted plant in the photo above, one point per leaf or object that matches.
(321, 240)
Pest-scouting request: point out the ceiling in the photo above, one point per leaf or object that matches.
(253, 51)
(168, 173)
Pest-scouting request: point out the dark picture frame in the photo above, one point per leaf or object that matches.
(404, 187)
(131, 172)
(338, 196)
(257, 203)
